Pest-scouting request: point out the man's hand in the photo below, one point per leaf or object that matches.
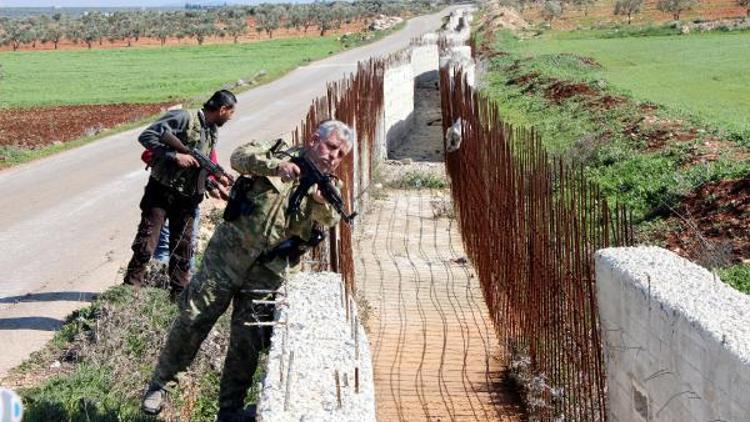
(288, 171)
(186, 160)
(224, 181)
(317, 196)
(219, 192)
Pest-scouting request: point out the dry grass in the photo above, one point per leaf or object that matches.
(100, 362)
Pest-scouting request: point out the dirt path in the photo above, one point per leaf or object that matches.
(435, 355)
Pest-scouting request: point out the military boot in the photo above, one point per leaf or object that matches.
(236, 415)
(153, 400)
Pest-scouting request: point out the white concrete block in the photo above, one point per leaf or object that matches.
(322, 341)
(674, 334)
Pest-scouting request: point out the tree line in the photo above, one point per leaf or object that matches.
(554, 9)
(96, 27)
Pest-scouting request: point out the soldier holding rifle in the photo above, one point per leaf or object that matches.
(179, 141)
(279, 208)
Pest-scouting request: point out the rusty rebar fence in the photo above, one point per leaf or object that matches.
(358, 102)
(531, 224)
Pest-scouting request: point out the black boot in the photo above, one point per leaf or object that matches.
(236, 414)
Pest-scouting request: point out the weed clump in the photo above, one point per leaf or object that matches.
(416, 179)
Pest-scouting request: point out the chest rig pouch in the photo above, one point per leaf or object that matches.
(238, 203)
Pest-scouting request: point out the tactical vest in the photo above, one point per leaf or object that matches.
(189, 181)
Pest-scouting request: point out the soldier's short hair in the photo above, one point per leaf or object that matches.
(327, 127)
(221, 98)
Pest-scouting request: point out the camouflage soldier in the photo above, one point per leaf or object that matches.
(243, 257)
(176, 186)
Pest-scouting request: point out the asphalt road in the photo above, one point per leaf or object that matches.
(67, 221)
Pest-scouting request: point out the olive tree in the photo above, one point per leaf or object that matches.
(161, 25)
(55, 29)
(89, 28)
(236, 26)
(300, 16)
(628, 8)
(199, 25)
(268, 18)
(584, 5)
(746, 5)
(324, 18)
(675, 7)
(341, 13)
(552, 9)
(16, 32)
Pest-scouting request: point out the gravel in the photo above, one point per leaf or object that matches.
(316, 331)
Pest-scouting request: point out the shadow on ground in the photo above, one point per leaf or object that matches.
(31, 323)
(50, 297)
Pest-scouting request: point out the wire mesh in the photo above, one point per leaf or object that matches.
(531, 223)
(358, 102)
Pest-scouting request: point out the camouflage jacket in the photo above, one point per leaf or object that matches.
(192, 130)
(267, 224)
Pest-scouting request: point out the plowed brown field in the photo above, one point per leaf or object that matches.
(40, 126)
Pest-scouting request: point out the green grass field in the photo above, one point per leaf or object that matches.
(617, 145)
(147, 74)
(704, 75)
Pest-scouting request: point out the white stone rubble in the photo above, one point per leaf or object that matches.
(382, 22)
(316, 330)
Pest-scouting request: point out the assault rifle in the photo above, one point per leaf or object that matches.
(212, 168)
(311, 175)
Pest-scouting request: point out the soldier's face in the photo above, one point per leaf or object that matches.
(328, 153)
(225, 114)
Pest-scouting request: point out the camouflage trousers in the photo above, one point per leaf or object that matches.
(208, 295)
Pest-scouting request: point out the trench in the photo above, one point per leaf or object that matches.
(434, 350)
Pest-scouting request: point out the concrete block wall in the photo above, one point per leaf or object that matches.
(424, 62)
(676, 339)
(398, 97)
(319, 366)
(459, 57)
(458, 30)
